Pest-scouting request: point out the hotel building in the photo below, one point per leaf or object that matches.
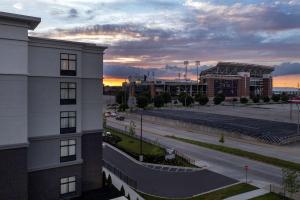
(50, 114)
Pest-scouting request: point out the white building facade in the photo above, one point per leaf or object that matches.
(50, 114)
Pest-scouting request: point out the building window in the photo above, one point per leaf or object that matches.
(68, 64)
(67, 185)
(67, 93)
(68, 122)
(67, 150)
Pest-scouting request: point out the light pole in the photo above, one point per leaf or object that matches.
(141, 139)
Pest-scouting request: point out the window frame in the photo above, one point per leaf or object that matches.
(68, 157)
(68, 72)
(68, 183)
(68, 129)
(68, 101)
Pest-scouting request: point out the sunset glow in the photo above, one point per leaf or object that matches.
(278, 81)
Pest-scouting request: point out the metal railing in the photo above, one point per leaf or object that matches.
(119, 173)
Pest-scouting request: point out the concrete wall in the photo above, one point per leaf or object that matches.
(92, 91)
(44, 105)
(45, 60)
(44, 153)
(13, 171)
(13, 109)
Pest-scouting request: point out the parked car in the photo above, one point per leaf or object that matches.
(120, 118)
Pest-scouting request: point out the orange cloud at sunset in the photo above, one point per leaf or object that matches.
(113, 81)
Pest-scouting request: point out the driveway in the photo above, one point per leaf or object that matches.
(166, 183)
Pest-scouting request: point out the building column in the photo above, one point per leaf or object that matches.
(92, 160)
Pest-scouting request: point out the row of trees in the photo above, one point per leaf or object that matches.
(144, 99)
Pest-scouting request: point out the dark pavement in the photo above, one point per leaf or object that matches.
(167, 184)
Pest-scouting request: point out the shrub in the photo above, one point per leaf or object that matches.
(113, 140)
(217, 100)
(103, 178)
(255, 99)
(243, 100)
(275, 97)
(186, 99)
(122, 191)
(222, 139)
(202, 99)
(285, 98)
(266, 99)
(158, 101)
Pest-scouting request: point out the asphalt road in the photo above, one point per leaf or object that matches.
(226, 164)
(164, 183)
(243, 125)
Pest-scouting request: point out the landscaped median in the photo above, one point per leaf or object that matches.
(246, 154)
(215, 195)
(151, 153)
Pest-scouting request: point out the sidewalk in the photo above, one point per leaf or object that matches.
(249, 195)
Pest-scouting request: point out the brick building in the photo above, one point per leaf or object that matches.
(237, 80)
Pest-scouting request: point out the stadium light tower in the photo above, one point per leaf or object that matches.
(197, 65)
(186, 63)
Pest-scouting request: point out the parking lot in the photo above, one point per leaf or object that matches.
(258, 128)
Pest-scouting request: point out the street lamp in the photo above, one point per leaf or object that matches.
(197, 65)
(141, 139)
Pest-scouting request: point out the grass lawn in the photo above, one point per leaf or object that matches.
(132, 145)
(270, 196)
(216, 195)
(242, 153)
(152, 153)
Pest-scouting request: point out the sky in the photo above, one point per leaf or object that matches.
(156, 36)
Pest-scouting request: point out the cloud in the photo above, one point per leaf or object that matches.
(73, 13)
(287, 69)
(167, 72)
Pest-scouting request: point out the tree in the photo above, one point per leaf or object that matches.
(122, 107)
(109, 181)
(158, 101)
(201, 99)
(122, 97)
(291, 182)
(132, 127)
(142, 101)
(222, 139)
(185, 99)
(122, 191)
(266, 99)
(103, 178)
(167, 97)
(243, 100)
(275, 97)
